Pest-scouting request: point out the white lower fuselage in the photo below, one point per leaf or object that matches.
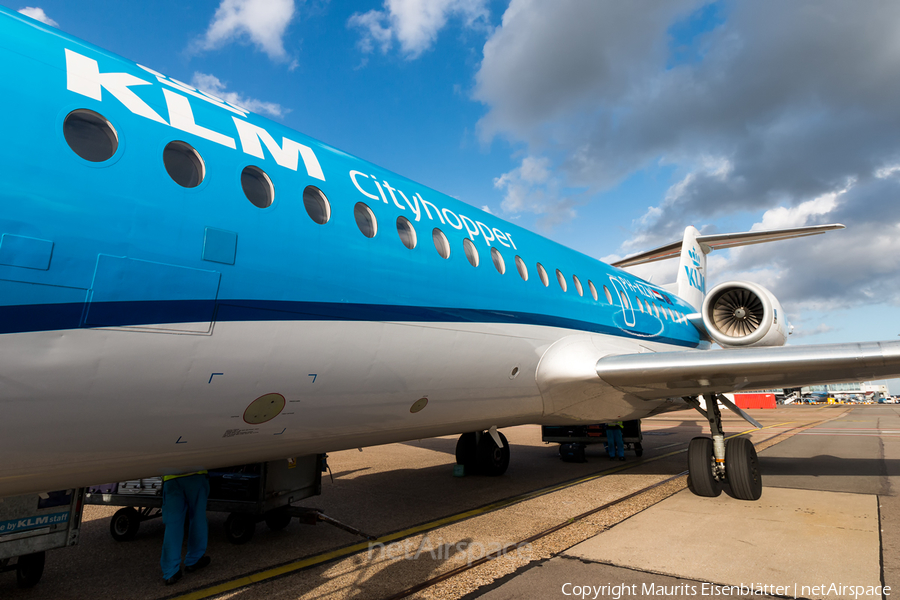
(89, 406)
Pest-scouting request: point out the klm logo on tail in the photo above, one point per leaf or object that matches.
(696, 279)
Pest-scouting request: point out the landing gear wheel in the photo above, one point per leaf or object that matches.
(467, 452)
(239, 528)
(742, 468)
(278, 519)
(701, 462)
(638, 449)
(124, 524)
(29, 569)
(492, 461)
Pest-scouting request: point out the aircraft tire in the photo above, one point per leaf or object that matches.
(29, 569)
(239, 528)
(700, 465)
(492, 461)
(124, 524)
(467, 452)
(742, 467)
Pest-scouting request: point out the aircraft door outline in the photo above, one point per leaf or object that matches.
(624, 300)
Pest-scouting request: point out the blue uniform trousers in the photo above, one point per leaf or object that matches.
(614, 443)
(184, 497)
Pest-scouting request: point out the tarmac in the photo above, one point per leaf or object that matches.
(826, 526)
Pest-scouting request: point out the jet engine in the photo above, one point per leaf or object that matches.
(740, 313)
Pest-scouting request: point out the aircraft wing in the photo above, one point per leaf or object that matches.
(689, 373)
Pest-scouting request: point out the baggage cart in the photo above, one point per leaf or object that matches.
(34, 523)
(574, 438)
(250, 493)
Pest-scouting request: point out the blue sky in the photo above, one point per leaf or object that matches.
(608, 126)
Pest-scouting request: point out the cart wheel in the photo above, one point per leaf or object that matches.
(573, 452)
(278, 519)
(638, 450)
(124, 524)
(239, 528)
(29, 569)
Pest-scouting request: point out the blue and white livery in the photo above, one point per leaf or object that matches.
(185, 285)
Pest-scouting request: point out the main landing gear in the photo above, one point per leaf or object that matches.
(711, 462)
(483, 452)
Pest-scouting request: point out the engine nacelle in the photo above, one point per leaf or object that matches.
(740, 313)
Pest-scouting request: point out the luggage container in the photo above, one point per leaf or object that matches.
(32, 524)
(755, 400)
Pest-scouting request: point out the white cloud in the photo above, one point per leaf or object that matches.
(263, 22)
(532, 188)
(782, 113)
(213, 85)
(801, 331)
(887, 171)
(784, 217)
(38, 14)
(414, 23)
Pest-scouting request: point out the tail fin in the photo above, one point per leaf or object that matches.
(691, 280)
(693, 248)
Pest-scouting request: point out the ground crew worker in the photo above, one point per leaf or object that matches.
(615, 445)
(184, 496)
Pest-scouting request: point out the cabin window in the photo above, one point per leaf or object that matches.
(90, 135)
(624, 299)
(593, 290)
(407, 232)
(257, 187)
(365, 219)
(183, 164)
(640, 304)
(471, 252)
(523, 270)
(317, 206)
(498, 261)
(440, 243)
(542, 273)
(578, 287)
(607, 294)
(562, 280)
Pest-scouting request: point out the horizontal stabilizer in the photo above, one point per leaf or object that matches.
(724, 240)
(691, 373)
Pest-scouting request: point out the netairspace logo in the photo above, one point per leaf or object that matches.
(473, 551)
(824, 590)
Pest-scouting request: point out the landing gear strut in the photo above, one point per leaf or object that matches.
(479, 452)
(711, 462)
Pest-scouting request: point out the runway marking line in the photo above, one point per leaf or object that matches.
(310, 561)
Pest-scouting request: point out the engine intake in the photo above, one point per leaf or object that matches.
(740, 313)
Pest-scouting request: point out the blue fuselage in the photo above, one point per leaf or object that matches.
(118, 242)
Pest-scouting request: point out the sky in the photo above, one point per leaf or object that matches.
(607, 126)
